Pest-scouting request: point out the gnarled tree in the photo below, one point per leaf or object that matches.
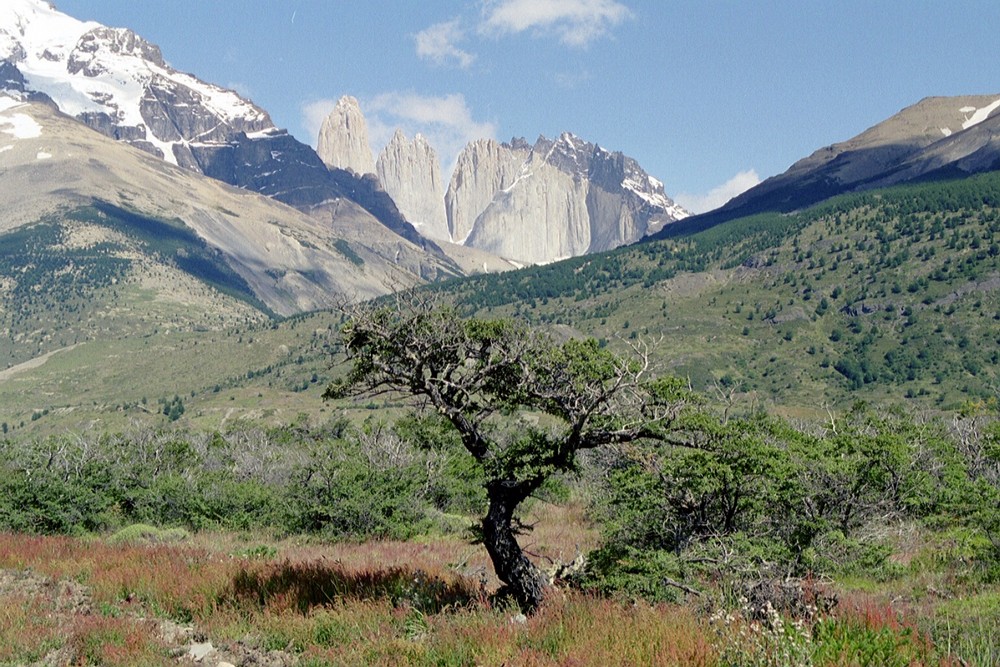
(480, 374)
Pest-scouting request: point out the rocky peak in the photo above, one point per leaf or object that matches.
(410, 172)
(343, 138)
(85, 56)
(118, 83)
(484, 168)
(554, 199)
(567, 153)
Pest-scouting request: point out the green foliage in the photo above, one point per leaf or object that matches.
(757, 490)
(345, 483)
(347, 251)
(175, 242)
(894, 290)
(622, 570)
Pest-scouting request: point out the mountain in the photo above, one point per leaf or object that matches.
(123, 277)
(94, 192)
(343, 139)
(527, 203)
(409, 171)
(556, 199)
(119, 84)
(936, 137)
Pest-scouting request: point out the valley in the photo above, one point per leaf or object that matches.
(264, 403)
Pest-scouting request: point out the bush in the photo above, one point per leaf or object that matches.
(373, 481)
(755, 493)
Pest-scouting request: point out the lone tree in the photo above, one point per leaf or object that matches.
(479, 374)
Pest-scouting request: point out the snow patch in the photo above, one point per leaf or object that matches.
(42, 155)
(7, 103)
(20, 126)
(654, 199)
(945, 131)
(4, 149)
(525, 174)
(978, 115)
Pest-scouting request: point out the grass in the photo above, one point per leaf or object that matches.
(101, 601)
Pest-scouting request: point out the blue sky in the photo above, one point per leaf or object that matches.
(702, 93)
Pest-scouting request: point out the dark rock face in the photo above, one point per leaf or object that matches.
(938, 137)
(279, 166)
(11, 77)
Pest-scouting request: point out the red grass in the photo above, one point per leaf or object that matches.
(115, 641)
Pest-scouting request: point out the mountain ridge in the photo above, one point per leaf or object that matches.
(587, 199)
(936, 137)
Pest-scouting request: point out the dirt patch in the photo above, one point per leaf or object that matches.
(67, 597)
(30, 364)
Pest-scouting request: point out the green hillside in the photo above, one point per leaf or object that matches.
(890, 296)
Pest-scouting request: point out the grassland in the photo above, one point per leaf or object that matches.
(252, 600)
(890, 297)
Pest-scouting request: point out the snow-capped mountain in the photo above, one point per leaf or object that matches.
(119, 84)
(527, 203)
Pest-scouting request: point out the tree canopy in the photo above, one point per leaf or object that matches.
(522, 403)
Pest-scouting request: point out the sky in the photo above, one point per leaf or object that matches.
(710, 96)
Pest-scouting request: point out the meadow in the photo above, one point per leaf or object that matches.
(110, 601)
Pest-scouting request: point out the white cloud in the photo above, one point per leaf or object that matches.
(719, 195)
(445, 121)
(574, 22)
(438, 44)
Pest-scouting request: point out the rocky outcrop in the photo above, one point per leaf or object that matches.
(484, 168)
(409, 171)
(557, 199)
(343, 139)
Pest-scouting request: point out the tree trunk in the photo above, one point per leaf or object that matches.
(525, 582)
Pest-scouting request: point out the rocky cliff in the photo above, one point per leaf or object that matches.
(343, 139)
(556, 199)
(410, 173)
(526, 203)
(485, 168)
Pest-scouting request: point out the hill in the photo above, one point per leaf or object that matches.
(889, 296)
(936, 138)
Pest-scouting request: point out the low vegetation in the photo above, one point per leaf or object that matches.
(869, 539)
(822, 487)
